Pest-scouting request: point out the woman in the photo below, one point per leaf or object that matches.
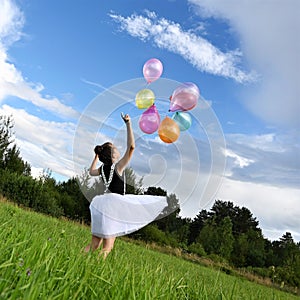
(114, 213)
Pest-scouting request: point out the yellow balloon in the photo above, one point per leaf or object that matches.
(168, 130)
(144, 98)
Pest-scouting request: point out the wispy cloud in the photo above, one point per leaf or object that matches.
(196, 50)
(11, 23)
(270, 40)
(12, 82)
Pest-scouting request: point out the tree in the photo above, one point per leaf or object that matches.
(14, 163)
(9, 153)
(222, 209)
(240, 250)
(208, 236)
(167, 220)
(256, 248)
(133, 185)
(288, 249)
(271, 258)
(241, 218)
(225, 238)
(217, 238)
(74, 203)
(155, 191)
(243, 221)
(6, 125)
(196, 226)
(289, 253)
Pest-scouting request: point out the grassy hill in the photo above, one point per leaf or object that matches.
(41, 258)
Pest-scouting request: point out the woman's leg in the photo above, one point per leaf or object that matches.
(108, 245)
(95, 244)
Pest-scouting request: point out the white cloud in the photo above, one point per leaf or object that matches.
(276, 209)
(263, 142)
(270, 41)
(12, 82)
(269, 158)
(238, 160)
(44, 144)
(11, 22)
(195, 49)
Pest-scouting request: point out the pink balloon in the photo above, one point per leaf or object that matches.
(185, 97)
(152, 69)
(190, 86)
(149, 120)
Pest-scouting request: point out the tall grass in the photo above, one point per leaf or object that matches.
(42, 258)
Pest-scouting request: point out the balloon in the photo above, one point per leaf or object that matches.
(168, 130)
(192, 87)
(152, 69)
(149, 120)
(184, 97)
(144, 98)
(183, 119)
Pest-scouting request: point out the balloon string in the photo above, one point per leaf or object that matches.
(166, 114)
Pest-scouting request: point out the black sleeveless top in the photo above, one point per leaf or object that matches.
(117, 183)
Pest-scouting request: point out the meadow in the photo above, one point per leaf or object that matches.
(42, 257)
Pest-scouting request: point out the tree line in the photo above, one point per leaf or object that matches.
(226, 233)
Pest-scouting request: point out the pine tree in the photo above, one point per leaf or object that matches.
(9, 153)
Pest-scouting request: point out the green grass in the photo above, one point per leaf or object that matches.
(41, 258)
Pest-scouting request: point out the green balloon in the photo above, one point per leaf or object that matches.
(183, 119)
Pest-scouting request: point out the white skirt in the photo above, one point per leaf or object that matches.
(115, 215)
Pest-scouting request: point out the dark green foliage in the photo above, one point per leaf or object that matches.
(151, 233)
(6, 126)
(256, 244)
(217, 239)
(168, 218)
(226, 238)
(288, 253)
(9, 153)
(197, 248)
(26, 191)
(152, 190)
(14, 163)
(242, 219)
(74, 203)
(196, 225)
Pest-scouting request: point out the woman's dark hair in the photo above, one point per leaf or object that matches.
(104, 153)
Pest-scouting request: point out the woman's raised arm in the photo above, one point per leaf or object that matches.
(130, 145)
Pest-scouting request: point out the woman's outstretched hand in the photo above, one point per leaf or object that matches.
(125, 118)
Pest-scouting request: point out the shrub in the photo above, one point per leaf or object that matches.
(29, 192)
(151, 233)
(197, 248)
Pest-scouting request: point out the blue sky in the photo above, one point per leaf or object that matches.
(56, 57)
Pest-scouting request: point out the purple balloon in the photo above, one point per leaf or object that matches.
(149, 120)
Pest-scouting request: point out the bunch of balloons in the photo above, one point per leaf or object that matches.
(183, 99)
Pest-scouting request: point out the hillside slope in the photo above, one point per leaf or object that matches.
(41, 258)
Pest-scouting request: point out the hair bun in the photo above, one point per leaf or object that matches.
(98, 149)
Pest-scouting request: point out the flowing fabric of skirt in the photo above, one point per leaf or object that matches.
(115, 215)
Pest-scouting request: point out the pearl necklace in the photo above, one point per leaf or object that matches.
(107, 183)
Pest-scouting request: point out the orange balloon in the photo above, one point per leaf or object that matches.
(168, 130)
